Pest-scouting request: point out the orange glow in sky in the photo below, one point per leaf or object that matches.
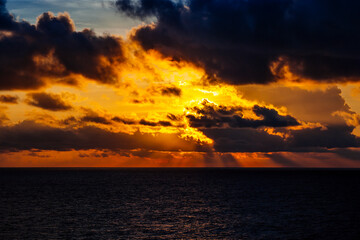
(89, 100)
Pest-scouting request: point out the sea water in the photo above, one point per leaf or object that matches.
(179, 203)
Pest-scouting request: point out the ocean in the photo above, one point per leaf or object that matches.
(186, 203)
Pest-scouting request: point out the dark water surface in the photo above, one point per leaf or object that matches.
(179, 204)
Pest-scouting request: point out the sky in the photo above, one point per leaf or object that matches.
(165, 83)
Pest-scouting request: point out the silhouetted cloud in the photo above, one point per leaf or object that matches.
(315, 105)
(123, 120)
(92, 116)
(144, 100)
(339, 136)
(8, 99)
(147, 123)
(95, 119)
(232, 132)
(153, 124)
(51, 50)
(171, 91)
(301, 140)
(209, 115)
(48, 101)
(69, 121)
(173, 117)
(238, 40)
(97, 155)
(244, 140)
(164, 123)
(29, 135)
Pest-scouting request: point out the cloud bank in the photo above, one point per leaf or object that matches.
(241, 41)
(28, 135)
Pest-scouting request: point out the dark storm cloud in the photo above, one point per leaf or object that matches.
(272, 118)
(231, 132)
(339, 136)
(244, 140)
(303, 140)
(48, 101)
(209, 115)
(8, 99)
(29, 135)
(237, 40)
(29, 54)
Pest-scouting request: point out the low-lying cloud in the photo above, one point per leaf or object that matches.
(28, 135)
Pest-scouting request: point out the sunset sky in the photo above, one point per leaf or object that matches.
(179, 83)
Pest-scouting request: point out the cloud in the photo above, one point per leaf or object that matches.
(143, 101)
(3, 116)
(123, 120)
(171, 91)
(173, 117)
(91, 116)
(338, 136)
(209, 115)
(317, 105)
(31, 56)
(96, 155)
(35, 154)
(238, 41)
(301, 140)
(48, 101)
(263, 129)
(153, 124)
(29, 135)
(94, 117)
(9, 99)
(167, 90)
(244, 140)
